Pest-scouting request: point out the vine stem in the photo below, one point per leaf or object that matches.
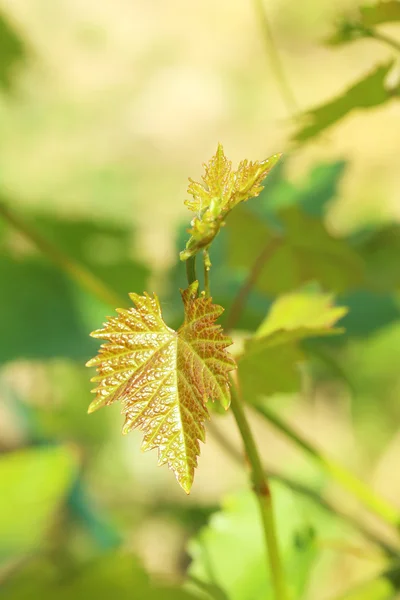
(191, 269)
(313, 495)
(274, 57)
(345, 478)
(380, 37)
(77, 272)
(207, 267)
(262, 492)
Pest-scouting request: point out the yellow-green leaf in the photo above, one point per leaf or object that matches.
(222, 189)
(163, 377)
(368, 92)
(302, 312)
(270, 362)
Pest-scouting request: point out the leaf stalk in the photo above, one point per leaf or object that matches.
(338, 472)
(262, 491)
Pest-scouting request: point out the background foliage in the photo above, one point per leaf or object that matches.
(105, 109)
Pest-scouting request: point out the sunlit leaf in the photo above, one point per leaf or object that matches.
(165, 378)
(270, 361)
(242, 575)
(34, 482)
(222, 189)
(302, 314)
(361, 25)
(368, 92)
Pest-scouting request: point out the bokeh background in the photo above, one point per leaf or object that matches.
(106, 108)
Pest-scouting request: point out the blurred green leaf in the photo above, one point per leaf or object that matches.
(39, 317)
(381, 251)
(306, 252)
(116, 575)
(60, 313)
(368, 312)
(12, 52)
(34, 483)
(270, 360)
(382, 12)
(230, 553)
(104, 248)
(361, 26)
(312, 194)
(368, 92)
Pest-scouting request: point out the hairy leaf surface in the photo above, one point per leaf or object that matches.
(163, 377)
(222, 189)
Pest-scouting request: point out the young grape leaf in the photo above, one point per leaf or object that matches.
(222, 189)
(270, 360)
(164, 378)
(368, 92)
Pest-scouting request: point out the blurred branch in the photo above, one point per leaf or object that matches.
(273, 54)
(381, 37)
(304, 490)
(76, 271)
(263, 495)
(360, 490)
(239, 301)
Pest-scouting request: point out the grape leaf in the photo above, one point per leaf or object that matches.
(222, 190)
(164, 378)
(368, 92)
(34, 483)
(270, 360)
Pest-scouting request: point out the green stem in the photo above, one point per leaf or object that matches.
(77, 272)
(345, 478)
(380, 37)
(263, 494)
(207, 267)
(303, 490)
(191, 269)
(274, 57)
